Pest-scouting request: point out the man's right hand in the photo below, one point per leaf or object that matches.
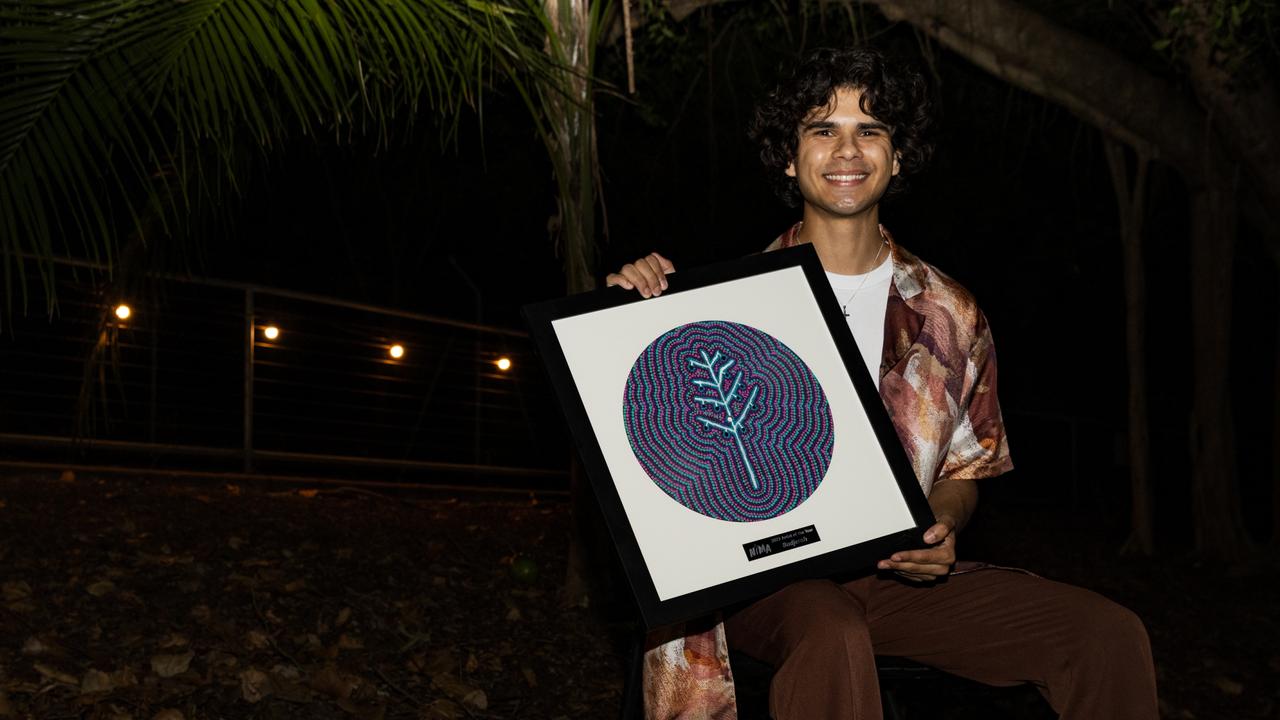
(647, 275)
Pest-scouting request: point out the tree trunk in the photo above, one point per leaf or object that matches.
(568, 131)
(1219, 527)
(1132, 205)
(570, 137)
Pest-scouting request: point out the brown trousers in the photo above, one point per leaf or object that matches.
(1088, 656)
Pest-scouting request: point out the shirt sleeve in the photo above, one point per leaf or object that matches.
(978, 447)
(686, 673)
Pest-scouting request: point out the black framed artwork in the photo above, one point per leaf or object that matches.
(731, 432)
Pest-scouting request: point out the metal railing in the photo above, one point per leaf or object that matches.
(191, 379)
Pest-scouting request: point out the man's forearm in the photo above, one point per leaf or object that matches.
(954, 500)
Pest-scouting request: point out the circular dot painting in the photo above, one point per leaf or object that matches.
(728, 421)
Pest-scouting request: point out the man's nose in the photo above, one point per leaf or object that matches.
(848, 148)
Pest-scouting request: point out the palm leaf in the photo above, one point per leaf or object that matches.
(112, 110)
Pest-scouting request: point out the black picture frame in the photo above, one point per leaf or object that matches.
(842, 560)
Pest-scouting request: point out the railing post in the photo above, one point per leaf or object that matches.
(153, 402)
(477, 376)
(249, 323)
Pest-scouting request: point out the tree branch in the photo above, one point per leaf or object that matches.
(1091, 80)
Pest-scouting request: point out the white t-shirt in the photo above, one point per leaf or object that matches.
(866, 310)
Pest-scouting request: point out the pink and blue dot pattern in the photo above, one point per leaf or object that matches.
(728, 421)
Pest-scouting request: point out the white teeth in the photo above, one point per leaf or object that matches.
(846, 178)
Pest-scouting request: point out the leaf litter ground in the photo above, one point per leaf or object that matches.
(126, 598)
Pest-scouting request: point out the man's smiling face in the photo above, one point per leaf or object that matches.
(844, 159)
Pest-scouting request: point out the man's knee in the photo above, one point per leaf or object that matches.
(1119, 628)
(1108, 630)
(818, 613)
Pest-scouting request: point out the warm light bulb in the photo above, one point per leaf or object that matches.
(397, 351)
(123, 311)
(504, 363)
(271, 332)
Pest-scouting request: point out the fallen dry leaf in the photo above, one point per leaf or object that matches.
(15, 590)
(343, 616)
(254, 685)
(169, 665)
(1228, 686)
(174, 640)
(235, 543)
(96, 681)
(460, 691)
(34, 646)
(476, 699)
(308, 493)
(530, 677)
(67, 476)
(287, 684)
(256, 640)
(442, 710)
(473, 663)
(376, 711)
(101, 588)
(55, 674)
(123, 678)
(168, 714)
(333, 683)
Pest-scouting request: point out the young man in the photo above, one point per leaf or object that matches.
(839, 135)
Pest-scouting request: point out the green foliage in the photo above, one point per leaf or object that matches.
(1237, 30)
(121, 116)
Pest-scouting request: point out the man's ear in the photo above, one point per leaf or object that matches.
(897, 162)
(791, 168)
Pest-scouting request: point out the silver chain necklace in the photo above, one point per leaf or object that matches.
(874, 264)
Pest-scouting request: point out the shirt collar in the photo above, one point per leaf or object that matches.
(908, 271)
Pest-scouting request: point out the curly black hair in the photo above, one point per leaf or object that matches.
(894, 93)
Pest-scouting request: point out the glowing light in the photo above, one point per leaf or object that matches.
(396, 351)
(503, 364)
(271, 332)
(123, 311)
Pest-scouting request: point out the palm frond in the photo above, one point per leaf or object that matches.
(112, 109)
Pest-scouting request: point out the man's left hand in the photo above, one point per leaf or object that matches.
(931, 563)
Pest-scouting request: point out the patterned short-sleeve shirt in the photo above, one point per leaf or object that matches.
(938, 382)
